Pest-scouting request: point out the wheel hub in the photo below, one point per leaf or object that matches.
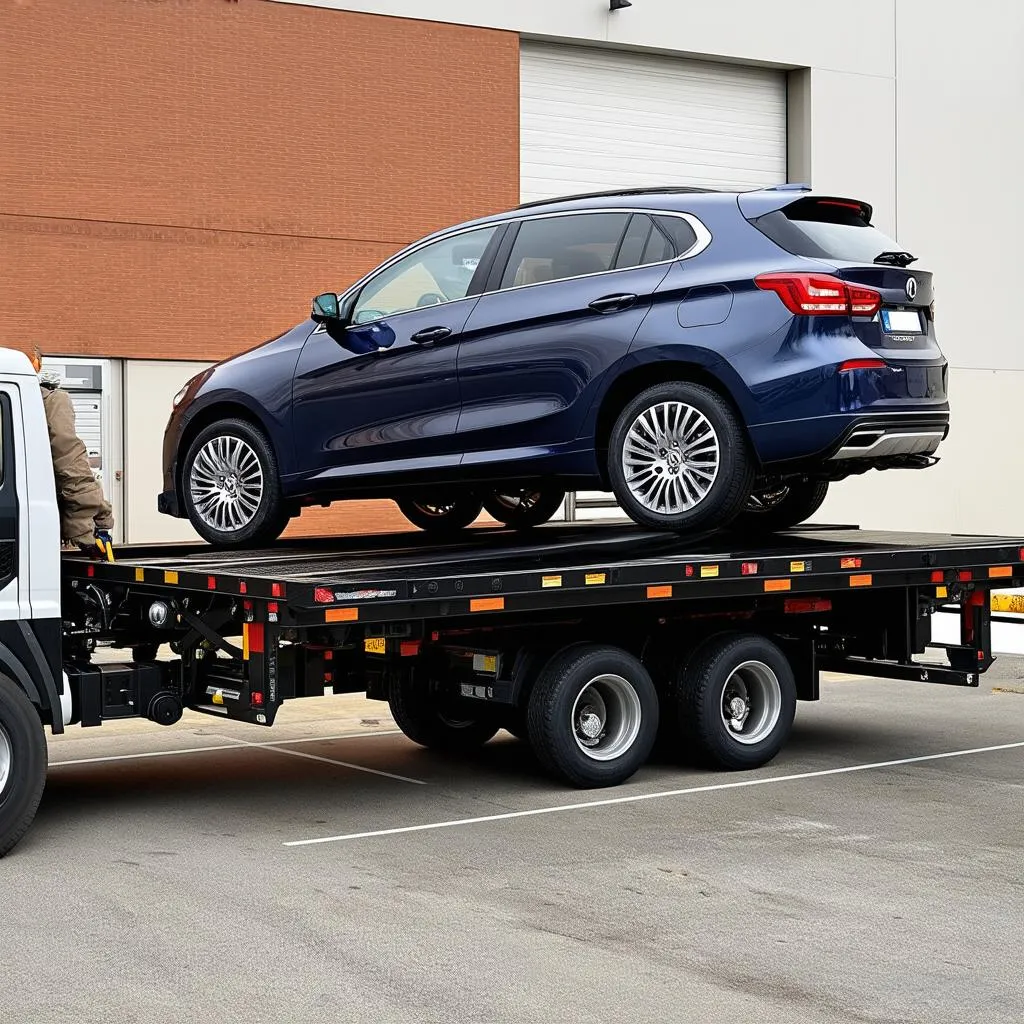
(751, 702)
(738, 710)
(590, 725)
(606, 717)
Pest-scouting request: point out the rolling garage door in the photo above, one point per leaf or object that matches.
(599, 119)
(602, 119)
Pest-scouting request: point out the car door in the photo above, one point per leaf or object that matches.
(570, 297)
(380, 393)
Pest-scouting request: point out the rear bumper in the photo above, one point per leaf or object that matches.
(850, 438)
(881, 440)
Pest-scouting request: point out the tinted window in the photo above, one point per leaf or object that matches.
(552, 248)
(634, 242)
(683, 237)
(833, 229)
(658, 248)
(439, 272)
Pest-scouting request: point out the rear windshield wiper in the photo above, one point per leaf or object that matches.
(895, 259)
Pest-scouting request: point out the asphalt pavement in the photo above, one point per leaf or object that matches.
(330, 870)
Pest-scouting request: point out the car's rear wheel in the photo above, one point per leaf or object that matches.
(782, 506)
(524, 507)
(231, 486)
(678, 459)
(441, 515)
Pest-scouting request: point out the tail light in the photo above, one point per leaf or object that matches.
(862, 364)
(820, 295)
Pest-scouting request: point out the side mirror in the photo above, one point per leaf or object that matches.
(325, 307)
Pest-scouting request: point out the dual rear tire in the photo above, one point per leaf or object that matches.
(592, 714)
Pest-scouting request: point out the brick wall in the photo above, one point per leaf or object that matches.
(179, 177)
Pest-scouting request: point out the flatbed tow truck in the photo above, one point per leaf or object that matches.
(593, 642)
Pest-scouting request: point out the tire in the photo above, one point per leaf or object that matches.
(711, 677)
(417, 713)
(563, 716)
(22, 763)
(218, 448)
(441, 516)
(678, 414)
(779, 508)
(525, 508)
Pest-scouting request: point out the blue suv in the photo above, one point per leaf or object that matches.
(709, 357)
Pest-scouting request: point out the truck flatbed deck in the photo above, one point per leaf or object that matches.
(388, 577)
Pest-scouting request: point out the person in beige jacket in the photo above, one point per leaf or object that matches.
(85, 514)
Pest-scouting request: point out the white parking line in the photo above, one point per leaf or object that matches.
(330, 760)
(234, 745)
(586, 805)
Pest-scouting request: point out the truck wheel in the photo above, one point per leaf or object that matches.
(231, 486)
(782, 506)
(593, 715)
(678, 459)
(524, 508)
(441, 516)
(736, 701)
(22, 763)
(420, 714)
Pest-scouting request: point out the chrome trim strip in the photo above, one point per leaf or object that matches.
(704, 239)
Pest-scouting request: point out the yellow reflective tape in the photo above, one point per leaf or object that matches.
(941, 592)
(707, 571)
(594, 578)
(551, 581)
(140, 575)
(170, 576)
(245, 642)
(797, 566)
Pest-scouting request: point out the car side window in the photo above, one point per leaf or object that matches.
(555, 248)
(439, 272)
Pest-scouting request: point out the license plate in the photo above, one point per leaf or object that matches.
(901, 321)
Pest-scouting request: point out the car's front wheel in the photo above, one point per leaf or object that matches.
(525, 507)
(441, 515)
(231, 486)
(678, 459)
(778, 508)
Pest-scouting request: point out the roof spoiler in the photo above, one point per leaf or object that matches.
(778, 197)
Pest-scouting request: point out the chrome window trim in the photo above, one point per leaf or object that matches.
(703, 240)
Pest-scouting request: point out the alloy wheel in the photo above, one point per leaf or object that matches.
(671, 458)
(226, 483)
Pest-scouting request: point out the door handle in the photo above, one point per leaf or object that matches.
(611, 303)
(431, 334)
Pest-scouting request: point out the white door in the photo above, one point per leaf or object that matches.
(594, 120)
(149, 387)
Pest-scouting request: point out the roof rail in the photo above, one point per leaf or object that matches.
(650, 190)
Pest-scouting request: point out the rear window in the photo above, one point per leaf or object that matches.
(832, 229)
